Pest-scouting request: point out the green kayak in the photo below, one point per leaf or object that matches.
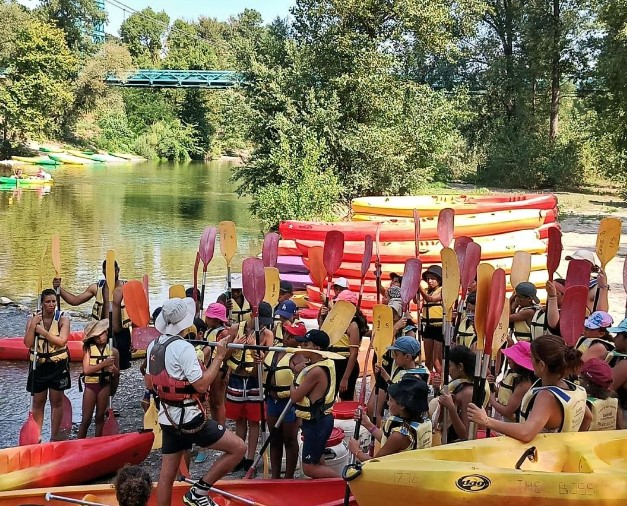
(53, 149)
(26, 181)
(86, 156)
(37, 160)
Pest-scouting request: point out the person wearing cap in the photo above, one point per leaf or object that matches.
(46, 335)
(596, 341)
(313, 395)
(235, 301)
(100, 311)
(181, 381)
(405, 352)
(243, 396)
(433, 338)
(598, 284)
(619, 367)
(523, 306)
(100, 374)
(286, 290)
(288, 326)
(596, 377)
(407, 426)
(467, 335)
(539, 325)
(516, 381)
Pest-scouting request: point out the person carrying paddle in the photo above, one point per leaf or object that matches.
(552, 404)
(51, 376)
(181, 382)
(596, 340)
(237, 303)
(598, 284)
(100, 374)
(433, 338)
(407, 427)
(596, 377)
(523, 306)
(100, 310)
(313, 395)
(467, 335)
(287, 328)
(555, 294)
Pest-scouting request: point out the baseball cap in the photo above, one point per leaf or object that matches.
(287, 309)
(348, 296)
(318, 337)
(621, 328)
(527, 289)
(598, 320)
(343, 282)
(406, 344)
(598, 372)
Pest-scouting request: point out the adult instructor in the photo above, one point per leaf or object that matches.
(182, 382)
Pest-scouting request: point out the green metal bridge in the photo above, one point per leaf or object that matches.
(148, 78)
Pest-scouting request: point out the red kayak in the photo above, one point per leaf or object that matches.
(72, 462)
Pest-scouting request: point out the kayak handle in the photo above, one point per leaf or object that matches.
(530, 454)
(351, 471)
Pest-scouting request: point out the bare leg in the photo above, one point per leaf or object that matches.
(169, 469)
(217, 394)
(253, 438)
(89, 403)
(234, 449)
(290, 440)
(429, 354)
(39, 403)
(56, 407)
(101, 409)
(437, 356)
(241, 428)
(276, 448)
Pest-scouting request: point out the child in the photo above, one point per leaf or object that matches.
(596, 340)
(432, 318)
(405, 351)
(467, 335)
(288, 327)
(101, 373)
(523, 306)
(596, 378)
(133, 486)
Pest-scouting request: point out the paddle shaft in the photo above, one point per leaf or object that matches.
(238, 346)
(226, 494)
(377, 265)
(229, 298)
(447, 330)
(50, 497)
(262, 410)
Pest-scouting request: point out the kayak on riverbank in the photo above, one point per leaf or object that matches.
(25, 181)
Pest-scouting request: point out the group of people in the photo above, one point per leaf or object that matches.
(539, 384)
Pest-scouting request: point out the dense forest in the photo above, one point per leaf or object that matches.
(341, 98)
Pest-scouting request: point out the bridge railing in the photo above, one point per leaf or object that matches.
(146, 78)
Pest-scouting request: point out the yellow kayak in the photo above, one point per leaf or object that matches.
(583, 468)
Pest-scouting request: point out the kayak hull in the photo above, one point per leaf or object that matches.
(70, 462)
(36, 160)
(31, 181)
(69, 159)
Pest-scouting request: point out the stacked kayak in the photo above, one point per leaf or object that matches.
(25, 181)
(72, 462)
(36, 160)
(583, 468)
(69, 159)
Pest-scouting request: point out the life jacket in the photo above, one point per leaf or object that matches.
(466, 335)
(211, 336)
(397, 373)
(432, 311)
(97, 310)
(522, 330)
(241, 361)
(585, 343)
(456, 386)
(243, 313)
(506, 389)
(537, 324)
(572, 401)
(342, 346)
(419, 434)
(278, 376)
(97, 355)
(46, 351)
(308, 410)
(603, 413)
(278, 334)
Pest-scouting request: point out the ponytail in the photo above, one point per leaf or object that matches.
(558, 357)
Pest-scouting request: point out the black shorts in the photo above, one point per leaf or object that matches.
(122, 343)
(434, 333)
(316, 433)
(175, 441)
(340, 369)
(54, 375)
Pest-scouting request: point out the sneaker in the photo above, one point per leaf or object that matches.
(192, 499)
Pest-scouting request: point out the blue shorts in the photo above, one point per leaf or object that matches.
(316, 433)
(274, 408)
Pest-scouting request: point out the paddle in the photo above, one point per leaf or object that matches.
(146, 291)
(521, 267)
(196, 264)
(446, 226)
(151, 422)
(87, 500)
(460, 246)
(625, 283)
(377, 261)
(270, 250)
(332, 254)
(272, 286)
(467, 276)
(55, 250)
(573, 313)
(136, 303)
(578, 273)
(205, 252)
(411, 281)
(226, 494)
(417, 232)
(553, 258)
(228, 247)
(317, 272)
(338, 320)
(176, 291)
(365, 265)
(608, 240)
(111, 426)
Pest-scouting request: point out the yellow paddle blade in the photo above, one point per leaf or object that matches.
(521, 267)
(177, 291)
(450, 280)
(338, 320)
(93, 498)
(41, 273)
(55, 249)
(608, 239)
(228, 240)
(151, 422)
(502, 329)
(110, 272)
(382, 329)
(484, 281)
(273, 284)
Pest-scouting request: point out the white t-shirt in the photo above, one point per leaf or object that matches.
(182, 363)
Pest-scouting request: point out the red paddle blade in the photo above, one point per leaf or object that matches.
(554, 251)
(66, 421)
(417, 232)
(578, 273)
(207, 245)
(143, 336)
(29, 433)
(367, 258)
(446, 224)
(411, 279)
(254, 280)
(136, 303)
(461, 244)
(497, 300)
(270, 250)
(196, 264)
(111, 426)
(573, 313)
(317, 271)
(333, 251)
(471, 262)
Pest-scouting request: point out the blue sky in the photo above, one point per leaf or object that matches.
(191, 9)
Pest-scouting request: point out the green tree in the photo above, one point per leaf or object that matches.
(144, 33)
(77, 19)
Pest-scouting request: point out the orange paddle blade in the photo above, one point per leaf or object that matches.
(29, 433)
(228, 240)
(66, 421)
(317, 272)
(495, 309)
(608, 239)
(484, 280)
(136, 303)
(176, 291)
(111, 426)
(502, 330)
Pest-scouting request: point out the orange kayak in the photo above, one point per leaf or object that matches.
(70, 462)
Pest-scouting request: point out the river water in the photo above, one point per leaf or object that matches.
(151, 214)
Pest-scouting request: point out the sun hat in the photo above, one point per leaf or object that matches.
(287, 309)
(95, 328)
(396, 305)
(176, 315)
(583, 254)
(621, 328)
(394, 276)
(406, 344)
(410, 392)
(527, 289)
(343, 282)
(598, 320)
(236, 281)
(217, 311)
(598, 372)
(348, 296)
(520, 354)
(471, 298)
(318, 337)
(435, 270)
(286, 286)
(265, 315)
(394, 292)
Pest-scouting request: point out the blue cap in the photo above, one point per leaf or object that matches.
(622, 327)
(287, 309)
(406, 344)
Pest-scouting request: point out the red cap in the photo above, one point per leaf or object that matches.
(598, 372)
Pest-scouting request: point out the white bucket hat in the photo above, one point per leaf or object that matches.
(236, 281)
(176, 315)
(583, 254)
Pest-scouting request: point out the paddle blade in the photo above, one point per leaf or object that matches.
(367, 258)
(417, 232)
(66, 420)
(145, 284)
(333, 251)
(338, 320)
(141, 337)
(254, 280)
(273, 284)
(460, 246)
(110, 273)
(554, 251)
(176, 291)
(111, 426)
(450, 281)
(29, 433)
(207, 245)
(270, 251)
(521, 267)
(382, 329)
(469, 272)
(317, 271)
(502, 330)
(578, 273)
(41, 273)
(446, 224)
(484, 280)
(608, 239)
(151, 422)
(136, 303)
(495, 308)
(228, 240)
(55, 250)
(411, 279)
(573, 313)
